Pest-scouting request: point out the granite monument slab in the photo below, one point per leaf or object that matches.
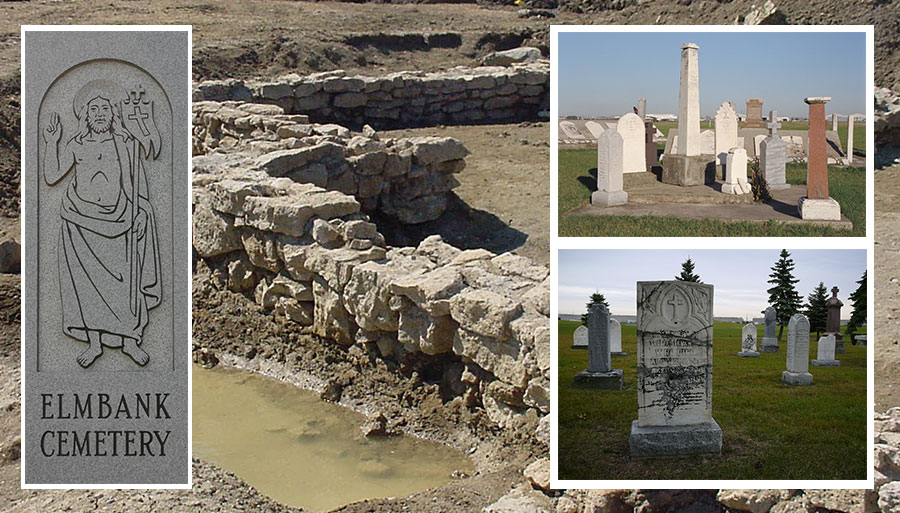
(599, 373)
(748, 342)
(833, 320)
(825, 353)
(674, 371)
(797, 363)
(106, 290)
(610, 190)
(754, 113)
(769, 342)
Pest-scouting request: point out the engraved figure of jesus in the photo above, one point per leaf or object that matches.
(109, 272)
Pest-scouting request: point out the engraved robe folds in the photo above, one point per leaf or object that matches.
(94, 263)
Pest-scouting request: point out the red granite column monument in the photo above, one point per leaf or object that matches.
(817, 204)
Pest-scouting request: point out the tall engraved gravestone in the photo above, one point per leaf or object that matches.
(686, 166)
(599, 373)
(797, 372)
(674, 371)
(106, 290)
(833, 321)
(773, 156)
(609, 191)
(748, 342)
(825, 353)
(769, 342)
(817, 204)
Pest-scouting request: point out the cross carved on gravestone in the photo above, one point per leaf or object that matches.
(675, 301)
(773, 125)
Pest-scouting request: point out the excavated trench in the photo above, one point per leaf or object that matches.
(304, 452)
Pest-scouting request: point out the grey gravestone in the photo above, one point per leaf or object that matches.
(599, 373)
(797, 372)
(825, 353)
(106, 295)
(580, 338)
(748, 342)
(674, 369)
(615, 338)
(769, 342)
(773, 156)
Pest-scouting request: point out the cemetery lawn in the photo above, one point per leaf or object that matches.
(769, 430)
(577, 180)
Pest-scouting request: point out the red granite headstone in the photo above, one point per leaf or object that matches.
(817, 166)
(754, 113)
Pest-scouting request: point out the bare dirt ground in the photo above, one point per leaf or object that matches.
(887, 288)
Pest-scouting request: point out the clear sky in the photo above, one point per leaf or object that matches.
(604, 73)
(739, 276)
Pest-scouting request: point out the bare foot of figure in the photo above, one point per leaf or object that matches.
(90, 354)
(130, 347)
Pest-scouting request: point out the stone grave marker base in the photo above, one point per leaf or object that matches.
(826, 363)
(768, 345)
(619, 353)
(825, 209)
(669, 441)
(736, 188)
(611, 380)
(684, 170)
(749, 354)
(609, 199)
(796, 378)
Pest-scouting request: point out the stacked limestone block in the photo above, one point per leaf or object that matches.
(313, 257)
(406, 178)
(461, 95)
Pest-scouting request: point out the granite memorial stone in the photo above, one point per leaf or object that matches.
(797, 372)
(833, 321)
(773, 156)
(674, 371)
(736, 172)
(748, 342)
(769, 342)
(615, 338)
(580, 338)
(825, 353)
(817, 204)
(599, 373)
(754, 113)
(650, 153)
(609, 171)
(849, 159)
(634, 134)
(726, 131)
(686, 166)
(106, 291)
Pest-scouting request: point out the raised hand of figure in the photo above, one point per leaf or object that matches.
(53, 130)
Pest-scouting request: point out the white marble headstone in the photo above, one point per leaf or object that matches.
(631, 128)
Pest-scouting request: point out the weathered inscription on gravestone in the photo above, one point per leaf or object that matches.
(797, 362)
(748, 342)
(674, 370)
(754, 113)
(106, 296)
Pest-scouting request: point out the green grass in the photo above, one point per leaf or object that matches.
(577, 182)
(770, 430)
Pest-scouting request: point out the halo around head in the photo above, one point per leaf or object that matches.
(97, 88)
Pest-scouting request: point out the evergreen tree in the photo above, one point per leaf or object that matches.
(815, 309)
(596, 299)
(687, 272)
(858, 317)
(783, 295)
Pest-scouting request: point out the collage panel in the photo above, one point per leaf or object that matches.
(711, 145)
(676, 368)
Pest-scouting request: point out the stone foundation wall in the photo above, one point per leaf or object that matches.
(312, 257)
(408, 179)
(489, 94)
